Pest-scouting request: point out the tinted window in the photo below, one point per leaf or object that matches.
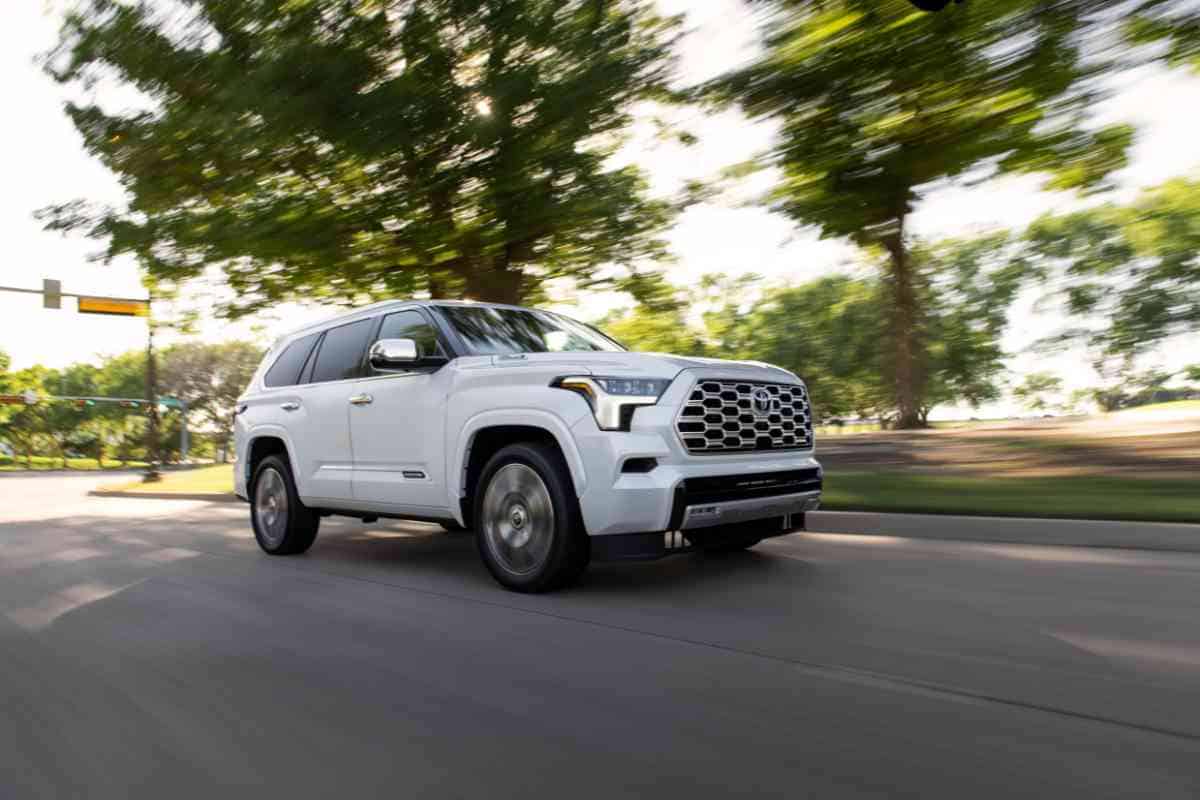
(341, 352)
(412, 325)
(286, 369)
(499, 331)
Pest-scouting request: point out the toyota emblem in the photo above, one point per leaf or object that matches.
(761, 399)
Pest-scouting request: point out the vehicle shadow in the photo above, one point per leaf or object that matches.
(427, 551)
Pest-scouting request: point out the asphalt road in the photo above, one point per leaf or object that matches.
(148, 649)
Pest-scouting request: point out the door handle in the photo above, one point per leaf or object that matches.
(289, 406)
(362, 399)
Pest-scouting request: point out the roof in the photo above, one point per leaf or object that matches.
(375, 308)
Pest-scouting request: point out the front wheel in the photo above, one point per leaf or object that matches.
(527, 521)
(282, 524)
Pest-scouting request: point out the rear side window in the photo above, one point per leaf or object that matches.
(412, 325)
(286, 369)
(342, 351)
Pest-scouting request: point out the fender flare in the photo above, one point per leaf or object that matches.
(271, 431)
(527, 417)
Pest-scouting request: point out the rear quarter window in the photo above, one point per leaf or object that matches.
(286, 369)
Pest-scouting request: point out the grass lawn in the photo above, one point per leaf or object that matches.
(1175, 405)
(215, 479)
(1077, 497)
(10, 464)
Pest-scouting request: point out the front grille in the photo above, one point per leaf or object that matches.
(722, 416)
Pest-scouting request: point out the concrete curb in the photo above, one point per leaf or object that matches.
(211, 497)
(1171, 536)
(1181, 537)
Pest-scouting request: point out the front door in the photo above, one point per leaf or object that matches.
(397, 426)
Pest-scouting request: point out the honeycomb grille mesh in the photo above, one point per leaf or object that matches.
(720, 416)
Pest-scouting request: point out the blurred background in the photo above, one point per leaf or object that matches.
(973, 232)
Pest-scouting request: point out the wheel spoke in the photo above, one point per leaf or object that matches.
(518, 519)
(271, 506)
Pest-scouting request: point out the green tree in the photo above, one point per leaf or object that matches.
(1130, 274)
(340, 151)
(209, 378)
(876, 102)
(1080, 401)
(828, 333)
(1035, 391)
(696, 320)
(655, 331)
(27, 425)
(964, 289)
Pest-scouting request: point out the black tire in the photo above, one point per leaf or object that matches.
(555, 546)
(296, 531)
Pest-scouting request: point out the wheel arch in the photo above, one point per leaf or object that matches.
(263, 443)
(487, 433)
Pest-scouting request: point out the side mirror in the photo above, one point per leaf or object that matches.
(393, 354)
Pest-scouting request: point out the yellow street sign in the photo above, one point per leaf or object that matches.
(120, 308)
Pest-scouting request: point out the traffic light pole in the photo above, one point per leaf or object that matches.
(52, 295)
(152, 474)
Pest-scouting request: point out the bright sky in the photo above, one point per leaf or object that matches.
(43, 162)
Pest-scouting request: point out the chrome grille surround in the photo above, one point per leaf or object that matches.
(719, 416)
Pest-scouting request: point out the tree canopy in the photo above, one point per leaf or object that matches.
(339, 151)
(1130, 274)
(877, 102)
(1035, 392)
(833, 331)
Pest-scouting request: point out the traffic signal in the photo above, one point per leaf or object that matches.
(131, 403)
(51, 293)
(84, 403)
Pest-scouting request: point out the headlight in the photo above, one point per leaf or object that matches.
(614, 399)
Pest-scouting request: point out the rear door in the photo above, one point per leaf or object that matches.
(320, 426)
(397, 426)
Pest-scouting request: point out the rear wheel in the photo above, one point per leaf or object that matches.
(282, 524)
(527, 522)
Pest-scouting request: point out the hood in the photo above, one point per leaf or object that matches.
(649, 365)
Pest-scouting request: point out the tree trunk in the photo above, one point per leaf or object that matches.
(904, 332)
(437, 289)
(496, 284)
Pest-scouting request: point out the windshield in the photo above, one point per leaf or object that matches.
(491, 331)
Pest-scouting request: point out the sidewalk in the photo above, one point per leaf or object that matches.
(1012, 530)
(211, 497)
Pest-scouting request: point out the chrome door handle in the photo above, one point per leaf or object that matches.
(361, 399)
(289, 406)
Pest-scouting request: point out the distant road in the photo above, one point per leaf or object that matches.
(148, 649)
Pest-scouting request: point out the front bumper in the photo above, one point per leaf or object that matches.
(731, 512)
(651, 546)
(683, 491)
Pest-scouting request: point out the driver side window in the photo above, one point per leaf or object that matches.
(412, 325)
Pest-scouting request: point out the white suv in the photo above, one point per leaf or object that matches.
(544, 436)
